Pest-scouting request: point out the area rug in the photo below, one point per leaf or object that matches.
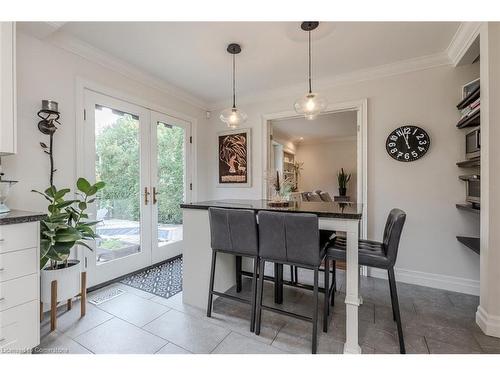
(164, 280)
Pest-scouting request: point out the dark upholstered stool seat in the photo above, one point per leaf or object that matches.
(371, 253)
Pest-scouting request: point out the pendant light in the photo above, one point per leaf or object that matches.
(311, 104)
(233, 117)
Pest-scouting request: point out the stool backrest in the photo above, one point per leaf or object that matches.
(392, 233)
(289, 237)
(233, 231)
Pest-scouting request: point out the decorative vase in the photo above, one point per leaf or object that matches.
(342, 191)
(68, 281)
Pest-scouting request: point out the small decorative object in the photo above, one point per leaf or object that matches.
(281, 189)
(233, 117)
(5, 186)
(311, 104)
(407, 143)
(297, 167)
(343, 179)
(49, 115)
(470, 87)
(234, 158)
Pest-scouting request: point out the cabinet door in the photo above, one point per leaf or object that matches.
(8, 142)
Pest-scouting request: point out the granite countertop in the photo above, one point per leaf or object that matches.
(18, 216)
(322, 209)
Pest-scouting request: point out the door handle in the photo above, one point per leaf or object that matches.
(146, 194)
(155, 194)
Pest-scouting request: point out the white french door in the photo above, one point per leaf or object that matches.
(143, 157)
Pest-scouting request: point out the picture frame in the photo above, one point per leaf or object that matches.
(234, 158)
(469, 87)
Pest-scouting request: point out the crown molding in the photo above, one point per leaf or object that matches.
(323, 84)
(462, 41)
(95, 55)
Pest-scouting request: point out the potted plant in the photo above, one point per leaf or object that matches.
(343, 179)
(66, 225)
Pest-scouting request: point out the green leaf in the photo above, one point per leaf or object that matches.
(61, 193)
(100, 185)
(82, 206)
(84, 244)
(65, 204)
(67, 235)
(92, 191)
(83, 185)
(42, 194)
(51, 191)
(43, 262)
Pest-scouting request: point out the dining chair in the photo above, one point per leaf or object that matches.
(233, 231)
(374, 254)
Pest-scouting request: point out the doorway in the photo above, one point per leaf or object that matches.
(143, 156)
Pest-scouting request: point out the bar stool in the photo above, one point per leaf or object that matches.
(291, 239)
(379, 255)
(233, 232)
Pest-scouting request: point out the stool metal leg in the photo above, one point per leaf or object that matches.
(260, 291)
(211, 286)
(392, 298)
(395, 307)
(238, 273)
(278, 283)
(326, 299)
(315, 313)
(254, 293)
(334, 266)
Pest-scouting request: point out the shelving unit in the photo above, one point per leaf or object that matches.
(288, 166)
(471, 242)
(473, 120)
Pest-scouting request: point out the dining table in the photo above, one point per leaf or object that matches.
(332, 216)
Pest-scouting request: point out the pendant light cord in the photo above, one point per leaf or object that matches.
(234, 84)
(309, 34)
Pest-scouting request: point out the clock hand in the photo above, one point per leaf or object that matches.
(406, 140)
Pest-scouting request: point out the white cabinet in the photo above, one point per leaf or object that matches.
(8, 127)
(19, 287)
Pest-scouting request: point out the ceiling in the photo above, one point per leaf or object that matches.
(324, 128)
(192, 55)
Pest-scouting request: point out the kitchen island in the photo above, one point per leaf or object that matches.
(335, 216)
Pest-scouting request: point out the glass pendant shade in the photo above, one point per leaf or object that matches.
(310, 105)
(233, 117)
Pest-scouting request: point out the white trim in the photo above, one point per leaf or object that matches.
(489, 324)
(95, 55)
(323, 84)
(334, 138)
(465, 36)
(433, 280)
(361, 106)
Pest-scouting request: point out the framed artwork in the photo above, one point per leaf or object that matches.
(234, 158)
(469, 87)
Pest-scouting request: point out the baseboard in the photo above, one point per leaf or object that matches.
(489, 324)
(432, 280)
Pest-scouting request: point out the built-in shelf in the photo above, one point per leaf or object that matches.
(473, 163)
(470, 121)
(468, 207)
(469, 98)
(471, 242)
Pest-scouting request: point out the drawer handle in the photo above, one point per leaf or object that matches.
(2, 299)
(2, 339)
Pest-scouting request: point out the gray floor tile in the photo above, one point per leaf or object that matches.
(235, 343)
(488, 343)
(175, 302)
(71, 324)
(188, 332)
(119, 337)
(438, 347)
(388, 341)
(172, 349)
(134, 309)
(57, 343)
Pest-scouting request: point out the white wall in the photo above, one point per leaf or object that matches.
(322, 161)
(47, 72)
(426, 189)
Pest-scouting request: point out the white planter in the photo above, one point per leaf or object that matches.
(68, 282)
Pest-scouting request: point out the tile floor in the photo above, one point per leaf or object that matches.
(435, 321)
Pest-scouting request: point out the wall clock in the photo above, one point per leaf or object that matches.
(407, 143)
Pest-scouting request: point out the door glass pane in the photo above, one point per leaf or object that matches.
(170, 182)
(118, 164)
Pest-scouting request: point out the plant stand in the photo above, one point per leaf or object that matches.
(53, 301)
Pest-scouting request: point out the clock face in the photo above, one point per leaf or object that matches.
(407, 143)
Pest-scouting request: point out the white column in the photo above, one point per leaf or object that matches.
(488, 313)
(352, 299)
